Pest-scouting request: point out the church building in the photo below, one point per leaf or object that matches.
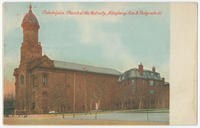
(43, 85)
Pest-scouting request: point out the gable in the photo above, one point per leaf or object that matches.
(43, 61)
(46, 64)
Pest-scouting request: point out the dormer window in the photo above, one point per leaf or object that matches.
(152, 74)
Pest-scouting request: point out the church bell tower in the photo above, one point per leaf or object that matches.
(31, 48)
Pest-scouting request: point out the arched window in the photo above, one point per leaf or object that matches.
(44, 79)
(32, 34)
(22, 79)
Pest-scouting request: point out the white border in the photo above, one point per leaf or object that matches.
(1, 50)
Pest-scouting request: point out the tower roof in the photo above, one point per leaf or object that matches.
(30, 18)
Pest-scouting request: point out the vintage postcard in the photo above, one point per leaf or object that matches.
(86, 63)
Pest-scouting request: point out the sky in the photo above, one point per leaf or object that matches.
(118, 42)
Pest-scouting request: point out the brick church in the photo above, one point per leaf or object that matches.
(44, 85)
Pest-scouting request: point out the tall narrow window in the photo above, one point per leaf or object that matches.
(34, 81)
(27, 34)
(133, 82)
(44, 79)
(33, 106)
(22, 79)
(32, 35)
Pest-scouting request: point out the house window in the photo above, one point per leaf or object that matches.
(152, 91)
(151, 83)
(44, 79)
(22, 79)
(133, 90)
(133, 82)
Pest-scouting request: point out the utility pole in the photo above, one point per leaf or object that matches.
(74, 95)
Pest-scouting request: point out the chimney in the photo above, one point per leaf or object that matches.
(153, 69)
(140, 69)
(163, 80)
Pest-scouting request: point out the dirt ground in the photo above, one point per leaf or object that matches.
(40, 121)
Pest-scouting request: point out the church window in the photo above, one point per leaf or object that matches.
(32, 35)
(27, 35)
(33, 106)
(44, 79)
(22, 79)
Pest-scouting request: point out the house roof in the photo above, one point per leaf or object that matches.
(87, 68)
(134, 73)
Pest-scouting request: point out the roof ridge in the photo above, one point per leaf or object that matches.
(84, 64)
(87, 67)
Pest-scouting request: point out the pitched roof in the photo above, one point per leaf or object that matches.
(87, 68)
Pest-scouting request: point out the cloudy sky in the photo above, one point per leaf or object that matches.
(118, 42)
